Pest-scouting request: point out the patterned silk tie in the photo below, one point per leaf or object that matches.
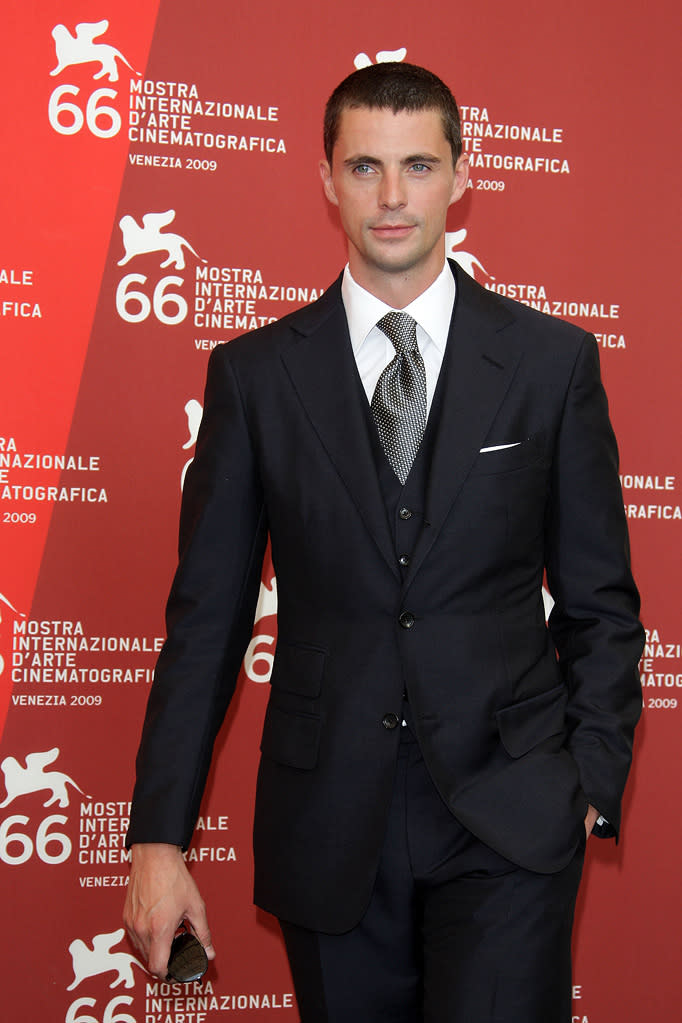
(399, 400)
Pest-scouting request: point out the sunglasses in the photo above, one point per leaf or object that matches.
(188, 960)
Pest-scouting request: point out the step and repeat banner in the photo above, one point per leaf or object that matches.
(160, 197)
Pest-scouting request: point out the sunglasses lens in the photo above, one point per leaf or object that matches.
(188, 960)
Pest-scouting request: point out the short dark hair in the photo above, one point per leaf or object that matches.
(395, 86)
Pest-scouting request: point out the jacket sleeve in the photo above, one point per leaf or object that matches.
(209, 616)
(594, 622)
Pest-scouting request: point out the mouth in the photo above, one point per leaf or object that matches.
(392, 231)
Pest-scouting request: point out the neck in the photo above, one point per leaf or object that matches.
(398, 288)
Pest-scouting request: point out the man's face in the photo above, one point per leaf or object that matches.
(393, 179)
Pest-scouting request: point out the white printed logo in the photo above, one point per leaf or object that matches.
(266, 606)
(20, 839)
(194, 412)
(382, 57)
(466, 260)
(93, 111)
(82, 49)
(91, 962)
(4, 600)
(267, 601)
(547, 601)
(134, 305)
(23, 781)
(138, 240)
(10, 605)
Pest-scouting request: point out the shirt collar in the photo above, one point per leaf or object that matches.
(432, 309)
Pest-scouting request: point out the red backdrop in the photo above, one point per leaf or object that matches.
(161, 196)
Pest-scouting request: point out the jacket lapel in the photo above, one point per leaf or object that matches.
(323, 372)
(480, 362)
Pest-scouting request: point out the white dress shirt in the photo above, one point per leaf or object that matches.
(373, 350)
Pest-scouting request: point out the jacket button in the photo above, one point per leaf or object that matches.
(405, 513)
(406, 619)
(404, 560)
(390, 720)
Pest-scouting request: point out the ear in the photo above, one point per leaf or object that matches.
(461, 178)
(327, 182)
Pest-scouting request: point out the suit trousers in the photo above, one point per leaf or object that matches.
(454, 933)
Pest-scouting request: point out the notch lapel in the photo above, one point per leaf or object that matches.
(480, 363)
(323, 372)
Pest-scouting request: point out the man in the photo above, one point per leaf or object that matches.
(433, 757)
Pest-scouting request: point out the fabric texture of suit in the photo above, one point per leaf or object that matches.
(520, 725)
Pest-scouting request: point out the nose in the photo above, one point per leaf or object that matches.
(392, 191)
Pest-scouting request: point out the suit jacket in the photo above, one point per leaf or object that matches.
(520, 724)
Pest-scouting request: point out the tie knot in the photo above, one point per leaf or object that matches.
(401, 330)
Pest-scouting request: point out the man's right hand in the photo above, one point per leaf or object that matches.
(161, 894)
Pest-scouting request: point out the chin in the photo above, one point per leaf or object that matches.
(396, 264)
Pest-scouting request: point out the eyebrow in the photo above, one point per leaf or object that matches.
(374, 161)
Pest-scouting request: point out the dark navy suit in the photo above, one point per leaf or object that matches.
(519, 725)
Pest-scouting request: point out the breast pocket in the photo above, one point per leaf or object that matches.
(497, 458)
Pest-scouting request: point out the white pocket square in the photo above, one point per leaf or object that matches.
(499, 447)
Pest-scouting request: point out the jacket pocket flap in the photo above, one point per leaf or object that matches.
(290, 738)
(525, 724)
(298, 669)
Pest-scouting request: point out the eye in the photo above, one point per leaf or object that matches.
(362, 169)
(419, 167)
